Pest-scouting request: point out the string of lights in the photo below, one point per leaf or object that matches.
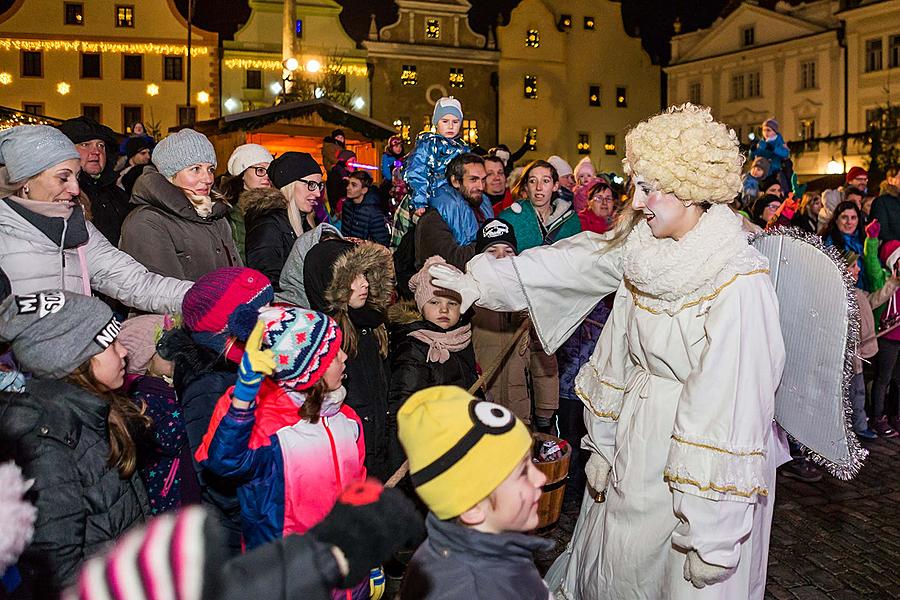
(276, 65)
(96, 46)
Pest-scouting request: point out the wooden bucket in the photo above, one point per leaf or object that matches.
(550, 504)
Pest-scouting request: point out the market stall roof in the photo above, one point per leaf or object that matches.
(327, 110)
(10, 117)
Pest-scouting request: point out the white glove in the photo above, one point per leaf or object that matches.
(701, 574)
(597, 472)
(451, 278)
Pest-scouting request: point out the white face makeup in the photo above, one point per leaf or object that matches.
(667, 216)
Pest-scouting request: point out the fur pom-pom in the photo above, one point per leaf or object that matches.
(17, 515)
(242, 321)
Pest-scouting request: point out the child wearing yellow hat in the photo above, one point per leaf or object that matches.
(470, 462)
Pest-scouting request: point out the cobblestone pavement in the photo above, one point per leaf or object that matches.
(832, 539)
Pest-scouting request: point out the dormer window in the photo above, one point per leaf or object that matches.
(748, 36)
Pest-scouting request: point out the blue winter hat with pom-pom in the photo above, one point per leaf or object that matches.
(304, 342)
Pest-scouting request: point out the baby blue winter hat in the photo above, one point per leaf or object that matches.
(182, 149)
(448, 105)
(27, 150)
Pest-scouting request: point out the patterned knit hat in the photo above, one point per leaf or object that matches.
(211, 300)
(305, 343)
(177, 555)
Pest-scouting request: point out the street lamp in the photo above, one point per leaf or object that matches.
(291, 64)
(313, 66)
(833, 167)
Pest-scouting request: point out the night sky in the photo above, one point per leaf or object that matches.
(651, 19)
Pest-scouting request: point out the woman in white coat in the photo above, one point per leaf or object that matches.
(679, 394)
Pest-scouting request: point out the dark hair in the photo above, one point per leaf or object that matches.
(124, 418)
(535, 164)
(495, 159)
(364, 178)
(853, 190)
(599, 187)
(831, 230)
(457, 167)
(232, 187)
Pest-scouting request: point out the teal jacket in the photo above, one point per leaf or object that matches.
(530, 232)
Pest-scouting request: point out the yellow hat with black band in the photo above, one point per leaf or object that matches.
(460, 448)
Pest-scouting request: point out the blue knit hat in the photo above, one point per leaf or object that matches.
(305, 343)
(448, 105)
(181, 150)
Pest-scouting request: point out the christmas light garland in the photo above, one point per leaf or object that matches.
(94, 46)
(275, 65)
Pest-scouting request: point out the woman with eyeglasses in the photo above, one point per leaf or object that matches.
(180, 226)
(600, 212)
(246, 171)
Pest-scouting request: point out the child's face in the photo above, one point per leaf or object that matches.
(359, 291)
(448, 126)
(442, 311)
(756, 172)
(334, 375)
(501, 251)
(513, 505)
(767, 132)
(108, 367)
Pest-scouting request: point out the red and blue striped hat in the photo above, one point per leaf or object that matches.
(305, 343)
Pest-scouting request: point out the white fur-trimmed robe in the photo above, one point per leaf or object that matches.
(679, 397)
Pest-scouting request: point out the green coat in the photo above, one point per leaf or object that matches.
(521, 215)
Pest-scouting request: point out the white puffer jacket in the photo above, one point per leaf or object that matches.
(34, 263)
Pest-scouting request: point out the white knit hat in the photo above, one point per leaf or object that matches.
(562, 167)
(247, 155)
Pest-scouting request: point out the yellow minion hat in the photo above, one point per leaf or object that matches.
(460, 448)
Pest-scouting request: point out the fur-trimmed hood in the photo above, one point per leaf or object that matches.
(376, 263)
(254, 203)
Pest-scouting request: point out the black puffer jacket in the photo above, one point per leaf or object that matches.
(269, 236)
(57, 433)
(328, 270)
(109, 203)
(201, 377)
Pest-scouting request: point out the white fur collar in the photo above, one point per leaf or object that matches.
(673, 272)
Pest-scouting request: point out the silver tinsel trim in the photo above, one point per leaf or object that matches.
(858, 454)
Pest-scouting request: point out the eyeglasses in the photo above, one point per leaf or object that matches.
(313, 186)
(260, 171)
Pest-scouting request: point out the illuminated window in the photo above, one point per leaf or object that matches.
(565, 22)
(433, 29)
(621, 97)
(808, 132)
(401, 126)
(694, 93)
(533, 38)
(426, 123)
(470, 131)
(610, 146)
(409, 76)
(457, 78)
(74, 13)
(124, 16)
(531, 90)
(32, 63)
(594, 95)
(531, 137)
(584, 143)
(589, 23)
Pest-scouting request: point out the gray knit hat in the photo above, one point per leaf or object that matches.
(182, 149)
(27, 150)
(53, 332)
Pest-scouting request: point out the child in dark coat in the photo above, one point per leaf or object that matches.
(470, 462)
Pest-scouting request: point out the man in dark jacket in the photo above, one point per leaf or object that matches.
(886, 207)
(109, 203)
(361, 216)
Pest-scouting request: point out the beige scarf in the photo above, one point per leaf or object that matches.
(442, 343)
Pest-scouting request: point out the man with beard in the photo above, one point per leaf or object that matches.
(108, 202)
(450, 225)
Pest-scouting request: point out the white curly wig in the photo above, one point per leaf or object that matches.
(684, 151)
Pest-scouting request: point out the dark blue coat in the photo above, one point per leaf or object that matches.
(365, 220)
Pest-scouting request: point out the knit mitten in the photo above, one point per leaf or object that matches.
(255, 365)
(701, 573)
(597, 472)
(368, 525)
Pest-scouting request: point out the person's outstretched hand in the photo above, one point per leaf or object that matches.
(368, 525)
(873, 229)
(451, 278)
(701, 573)
(597, 472)
(255, 364)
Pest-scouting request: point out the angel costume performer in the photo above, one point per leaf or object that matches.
(679, 393)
